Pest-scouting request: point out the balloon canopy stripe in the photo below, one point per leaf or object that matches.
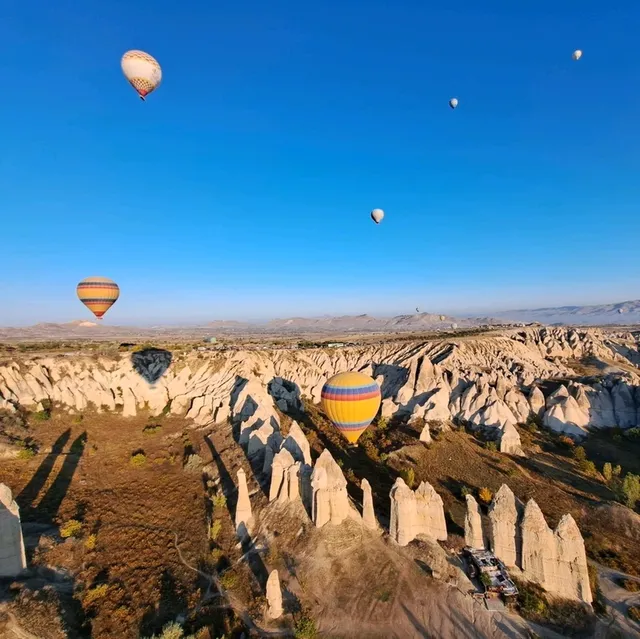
(350, 390)
(353, 425)
(351, 396)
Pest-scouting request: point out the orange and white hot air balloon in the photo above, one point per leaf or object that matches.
(142, 71)
(98, 294)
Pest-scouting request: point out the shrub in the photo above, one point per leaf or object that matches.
(617, 470)
(90, 542)
(229, 580)
(632, 433)
(567, 441)
(219, 500)
(42, 415)
(485, 579)
(150, 429)
(630, 584)
(631, 490)
(383, 424)
(579, 453)
(588, 467)
(485, 495)
(215, 529)
(465, 490)
(305, 627)
(216, 555)
(71, 528)
(138, 460)
(634, 613)
(26, 451)
(492, 446)
(77, 419)
(409, 476)
(607, 472)
(93, 595)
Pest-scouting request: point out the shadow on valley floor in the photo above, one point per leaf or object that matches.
(151, 363)
(45, 512)
(249, 550)
(172, 606)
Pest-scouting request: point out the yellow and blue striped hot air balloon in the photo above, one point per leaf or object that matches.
(98, 294)
(351, 401)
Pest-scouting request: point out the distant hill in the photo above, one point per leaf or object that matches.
(621, 313)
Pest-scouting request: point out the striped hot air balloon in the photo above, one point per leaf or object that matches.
(351, 401)
(98, 294)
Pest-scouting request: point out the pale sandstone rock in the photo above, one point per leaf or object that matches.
(282, 461)
(503, 517)
(243, 517)
(416, 513)
(368, 513)
(330, 501)
(539, 548)
(297, 444)
(12, 555)
(473, 535)
(425, 434)
(573, 574)
(274, 596)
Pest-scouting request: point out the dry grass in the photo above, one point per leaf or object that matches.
(126, 569)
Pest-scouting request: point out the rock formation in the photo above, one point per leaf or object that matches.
(12, 555)
(473, 535)
(297, 444)
(330, 503)
(368, 514)
(244, 517)
(274, 596)
(556, 560)
(209, 388)
(539, 548)
(279, 488)
(503, 516)
(416, 513)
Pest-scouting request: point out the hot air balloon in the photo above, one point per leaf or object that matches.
(142, 71)
(377, 215)
(442, 318)
(98, 294)
(351, 401)
(453, 103)
(577, 54)
(417, 310)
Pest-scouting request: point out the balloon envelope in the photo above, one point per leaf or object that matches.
(377, 215)
(98, 294)
(577, 54)
(351, 401)
(142, 71)
(453, 103)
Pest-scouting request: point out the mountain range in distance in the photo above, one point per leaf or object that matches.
(622, 313)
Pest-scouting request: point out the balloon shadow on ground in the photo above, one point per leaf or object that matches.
(151, 363)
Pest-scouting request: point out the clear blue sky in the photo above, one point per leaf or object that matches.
(242, 187)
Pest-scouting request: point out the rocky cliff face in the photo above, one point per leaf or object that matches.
(489, 382)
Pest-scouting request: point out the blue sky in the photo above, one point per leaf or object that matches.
(242, 187)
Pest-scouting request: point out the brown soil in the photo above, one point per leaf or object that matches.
(135, 513)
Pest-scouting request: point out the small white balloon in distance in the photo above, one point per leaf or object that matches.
(142, 72)
(577, 54)
(453, 103)
(377, 215)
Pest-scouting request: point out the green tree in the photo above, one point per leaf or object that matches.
(579, 453)
(631, 489)
(607, 471)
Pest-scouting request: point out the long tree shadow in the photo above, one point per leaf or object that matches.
(230, 491)
(31, 491)
(171, 606)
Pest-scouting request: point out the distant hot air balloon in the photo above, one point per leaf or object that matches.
(377, 215)
(351, 401)
(98, 294)
(453, 103)
(442, 318)
(417, 310)
(142, 71)
(577, 54)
